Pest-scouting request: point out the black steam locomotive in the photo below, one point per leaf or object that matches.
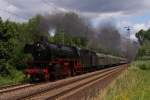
(54, 61)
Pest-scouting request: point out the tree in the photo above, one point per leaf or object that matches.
(144, 40)
(140, 35)
(143, 36)
(59, 37)
(37, 28)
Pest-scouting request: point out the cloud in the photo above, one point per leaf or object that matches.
(100, 6)
(138, 27)
(22, 10)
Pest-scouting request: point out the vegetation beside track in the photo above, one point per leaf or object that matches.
(16, 77)
(132, 84)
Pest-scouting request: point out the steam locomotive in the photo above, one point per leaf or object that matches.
(55, 61)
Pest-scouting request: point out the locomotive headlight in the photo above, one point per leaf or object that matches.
(39, 47)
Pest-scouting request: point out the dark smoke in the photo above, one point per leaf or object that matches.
(71, 24)
(37, 27)
(129, 48)
(106, 36)
(109, 37)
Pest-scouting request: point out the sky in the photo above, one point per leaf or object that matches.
(133, 13)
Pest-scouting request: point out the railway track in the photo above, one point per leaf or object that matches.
(59, 89)
(14, 87)
(8, 86)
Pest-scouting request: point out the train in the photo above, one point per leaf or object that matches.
(53, 61)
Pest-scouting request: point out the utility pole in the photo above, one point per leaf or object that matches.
(128, 30)
(128, 41)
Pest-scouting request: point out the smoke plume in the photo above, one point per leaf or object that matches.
(105, 36)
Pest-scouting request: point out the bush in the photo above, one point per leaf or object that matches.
(143, 65)
(15, 77)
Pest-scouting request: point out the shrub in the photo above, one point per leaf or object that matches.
(143, 65)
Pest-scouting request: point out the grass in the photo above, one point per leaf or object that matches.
(15, 78)
(132, 84)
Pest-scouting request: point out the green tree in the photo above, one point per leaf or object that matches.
(144, 40)
(35, 28)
